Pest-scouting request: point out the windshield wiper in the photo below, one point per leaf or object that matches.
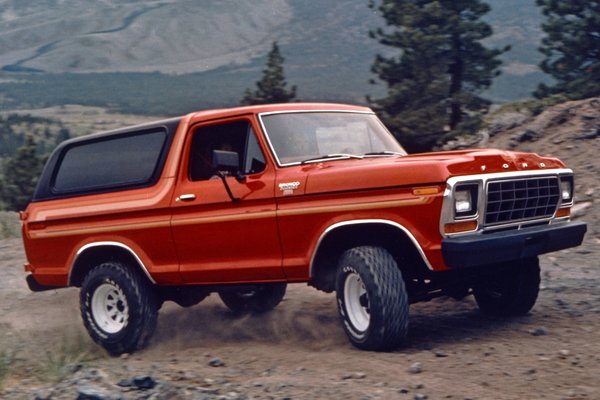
(383, 153)
(330, 156)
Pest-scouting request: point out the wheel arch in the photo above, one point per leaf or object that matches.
(95, 253)
(339, 237)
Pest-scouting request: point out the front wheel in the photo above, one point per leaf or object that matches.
(509, 292)
(372, 299)
(257, 299)
(118, 307)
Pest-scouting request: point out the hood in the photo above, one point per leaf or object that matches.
(418, 169)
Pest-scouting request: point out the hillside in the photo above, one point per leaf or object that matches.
(217, 48)
(142, 36)
(570, 131)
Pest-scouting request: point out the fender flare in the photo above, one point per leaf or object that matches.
(119, 245)
(394, 224)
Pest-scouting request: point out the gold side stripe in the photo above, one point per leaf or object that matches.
(233, 218)
(357, 207)
(112, 228)
(224, 218)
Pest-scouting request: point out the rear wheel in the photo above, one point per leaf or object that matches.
(256, 299)
(372, 299)
(118, 307)
(509, 292)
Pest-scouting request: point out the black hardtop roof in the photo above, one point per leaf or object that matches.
(170, 124)
(43, 190)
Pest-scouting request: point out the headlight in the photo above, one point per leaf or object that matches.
(566, 189)
(465, 200)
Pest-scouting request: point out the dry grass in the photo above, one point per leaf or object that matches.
(7, 361)
(74, 352)
(10, 227)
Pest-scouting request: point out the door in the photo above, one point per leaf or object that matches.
(220, 239)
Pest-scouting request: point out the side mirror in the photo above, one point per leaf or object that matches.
(226, 161)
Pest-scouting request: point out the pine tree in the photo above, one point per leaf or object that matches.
(434, 83)
(20, 176)
(571, 47)
(272, 87)
(63, 134)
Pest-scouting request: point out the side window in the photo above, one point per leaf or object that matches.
(113, 162)
(238, 137)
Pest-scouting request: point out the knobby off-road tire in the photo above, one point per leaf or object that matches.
(262, 298)
(372, 299)
(119, 307)
(510, 292)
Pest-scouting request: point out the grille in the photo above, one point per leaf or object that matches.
(522, 199)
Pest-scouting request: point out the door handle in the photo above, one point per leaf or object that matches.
(186, 197)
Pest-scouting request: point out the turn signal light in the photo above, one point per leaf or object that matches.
(563, 212)
(425, 191)
(462, 226)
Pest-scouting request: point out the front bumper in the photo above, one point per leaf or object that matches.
(496, 247)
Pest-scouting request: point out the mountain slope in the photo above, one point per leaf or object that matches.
(223, 44)
(142, 36)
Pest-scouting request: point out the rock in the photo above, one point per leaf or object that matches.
(528, 136)
(415, 368)
(90, 392)
(354, 375)
(126, 383)
(90, 374)
(541, 331)
(506, 121)
(205, 390)
(71, 369)
(564, 354)
(216, 362)
(144, 382)
(593, 134)
(420, 396)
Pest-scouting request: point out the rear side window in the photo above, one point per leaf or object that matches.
(111, 162)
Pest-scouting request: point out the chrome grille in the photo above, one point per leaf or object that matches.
(518, 200)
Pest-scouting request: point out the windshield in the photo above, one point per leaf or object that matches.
(311, 136)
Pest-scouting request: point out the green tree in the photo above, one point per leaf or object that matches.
(20, 176)
(435, 81)
(63, 134)
(571, 48)
(272, 86)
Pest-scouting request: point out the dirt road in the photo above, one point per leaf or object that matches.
(300, 351)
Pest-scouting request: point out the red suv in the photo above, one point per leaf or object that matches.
(244, 201)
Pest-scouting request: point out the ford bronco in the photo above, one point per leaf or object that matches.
(244, 201)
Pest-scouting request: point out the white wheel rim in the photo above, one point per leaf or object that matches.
(109, 308)
(357, 302)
